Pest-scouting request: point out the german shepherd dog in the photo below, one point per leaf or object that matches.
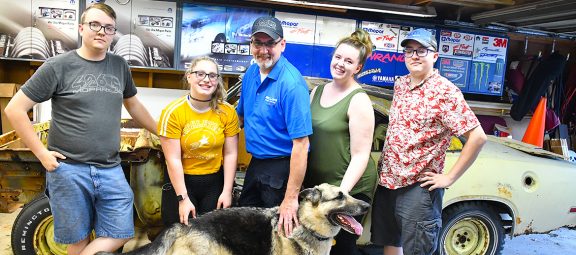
(323, 211)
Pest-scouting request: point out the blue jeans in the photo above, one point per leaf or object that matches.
(84, 197)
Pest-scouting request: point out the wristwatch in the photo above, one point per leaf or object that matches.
(181, 197)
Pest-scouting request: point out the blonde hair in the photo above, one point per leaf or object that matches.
(220, 93)
(99, 6)
(361, 41)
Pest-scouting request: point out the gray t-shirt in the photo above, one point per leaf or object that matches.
(87, 99)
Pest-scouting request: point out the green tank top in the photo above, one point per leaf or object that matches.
(330, 146)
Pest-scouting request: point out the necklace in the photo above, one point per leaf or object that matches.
(199, 100)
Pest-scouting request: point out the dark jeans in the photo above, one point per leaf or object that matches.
(408, 217)
(265, 182)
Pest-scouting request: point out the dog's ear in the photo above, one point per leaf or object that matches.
(312, 194)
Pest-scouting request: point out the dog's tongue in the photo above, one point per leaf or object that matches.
(357, 227)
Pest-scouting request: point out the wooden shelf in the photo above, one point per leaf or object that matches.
(19, 71)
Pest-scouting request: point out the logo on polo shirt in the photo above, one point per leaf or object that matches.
(270, 100)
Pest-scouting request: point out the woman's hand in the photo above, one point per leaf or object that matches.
(185, 207)
(225, 200)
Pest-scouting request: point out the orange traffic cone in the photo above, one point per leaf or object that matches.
(535, 132)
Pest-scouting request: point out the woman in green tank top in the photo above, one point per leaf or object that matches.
(343, 124)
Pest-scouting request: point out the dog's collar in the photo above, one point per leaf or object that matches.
(316, 235)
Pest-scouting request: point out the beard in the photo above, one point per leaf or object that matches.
(265, 64)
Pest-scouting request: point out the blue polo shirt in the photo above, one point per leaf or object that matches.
(275, 111)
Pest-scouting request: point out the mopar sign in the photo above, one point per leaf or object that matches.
(289, 23)
(374, 31)
(449, 39)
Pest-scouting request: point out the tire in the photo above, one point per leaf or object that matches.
(33, 230)
(471, 228)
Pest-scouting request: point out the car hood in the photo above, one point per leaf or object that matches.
(524, 147)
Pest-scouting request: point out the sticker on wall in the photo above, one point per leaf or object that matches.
(455, 70)
(456, 44)
(383, 36)
(298, 28)
(488, 65)
(487, 78)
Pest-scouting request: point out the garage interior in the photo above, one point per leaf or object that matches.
(536, 29)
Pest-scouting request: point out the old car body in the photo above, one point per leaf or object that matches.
(512, 188)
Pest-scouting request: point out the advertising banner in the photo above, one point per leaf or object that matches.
(488, 65)
(222, 33)
(489, 48)
(380, 68)
(298, 28)
(329, 31)
(383, 36)
(156, 28)
(487, 78)
(146, 32)
(38, 29)
(299, 32)
(456, 44)
(455, 70)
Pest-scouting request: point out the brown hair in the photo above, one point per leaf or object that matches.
(360, 40)
(220, 93)
(100, 6)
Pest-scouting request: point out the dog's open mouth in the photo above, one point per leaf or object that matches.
(347, 222)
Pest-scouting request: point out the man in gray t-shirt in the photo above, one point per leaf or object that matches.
(86, 185)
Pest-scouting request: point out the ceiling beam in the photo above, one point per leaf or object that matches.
(539, 21)
(558, 15)
(339, 10)
(566, 30)
(497, 2)
(362, 5)
(542, 9)
(465, 4)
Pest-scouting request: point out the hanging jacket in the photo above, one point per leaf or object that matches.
(549, 71)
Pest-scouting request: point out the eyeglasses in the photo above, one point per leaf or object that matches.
(201, 75)
(420, 52)
(96, 27)
(269, 44)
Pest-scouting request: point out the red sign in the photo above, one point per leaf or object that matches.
(500, 42)
(387, 58)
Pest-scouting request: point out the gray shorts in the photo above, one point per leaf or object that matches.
(408, 217)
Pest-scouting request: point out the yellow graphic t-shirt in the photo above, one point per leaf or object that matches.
(201, 134)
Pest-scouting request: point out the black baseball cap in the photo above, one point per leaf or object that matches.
(268, 25)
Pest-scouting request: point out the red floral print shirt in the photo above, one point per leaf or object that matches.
(422, 119)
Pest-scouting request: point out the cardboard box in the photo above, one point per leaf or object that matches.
(7, 91)
(555, 146)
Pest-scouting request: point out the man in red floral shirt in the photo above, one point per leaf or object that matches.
(426, 111)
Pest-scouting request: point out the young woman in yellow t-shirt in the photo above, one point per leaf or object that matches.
(199, 137)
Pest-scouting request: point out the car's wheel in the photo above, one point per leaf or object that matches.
(33, 230)
(471, 228)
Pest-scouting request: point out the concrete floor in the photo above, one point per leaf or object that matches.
(7, 219)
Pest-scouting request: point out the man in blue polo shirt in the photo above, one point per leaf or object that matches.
(275, 111)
